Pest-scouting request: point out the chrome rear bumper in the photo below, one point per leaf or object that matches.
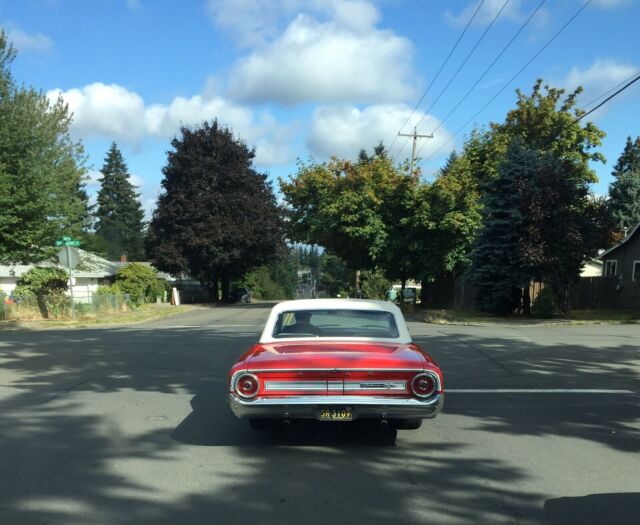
(307, 407)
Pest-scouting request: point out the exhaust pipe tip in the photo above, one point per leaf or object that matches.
(384, 423)
(286, 423)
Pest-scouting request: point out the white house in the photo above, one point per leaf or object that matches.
(91, 271)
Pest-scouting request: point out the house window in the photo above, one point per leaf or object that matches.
(610, 268)
(636, 271)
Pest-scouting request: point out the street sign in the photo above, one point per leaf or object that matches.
(68, 258)
(67, 241)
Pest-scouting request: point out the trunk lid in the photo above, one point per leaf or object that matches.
(336, 355)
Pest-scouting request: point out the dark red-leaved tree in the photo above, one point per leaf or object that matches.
(217, 218)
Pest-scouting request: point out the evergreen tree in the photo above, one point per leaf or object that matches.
(539, 223)
(42, 170)
(119, 216)
(498, 268)
(217, 218)
(624, 191)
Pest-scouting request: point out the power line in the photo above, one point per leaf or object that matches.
(504, 49)
(453, 77)
(444, 63)
(566, 24)
(473, 49)
(609, 97)
(594, 100)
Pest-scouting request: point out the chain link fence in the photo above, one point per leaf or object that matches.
(60, 307)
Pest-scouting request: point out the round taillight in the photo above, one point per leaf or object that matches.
(423, 385)
(247, 385)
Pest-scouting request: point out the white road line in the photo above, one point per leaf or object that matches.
(236, 325)
(176, 327)
(534, 391)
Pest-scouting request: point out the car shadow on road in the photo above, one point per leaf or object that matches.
(595, 509)
(211, 423)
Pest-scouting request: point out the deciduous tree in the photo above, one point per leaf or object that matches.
(41, 170)
(217, 218)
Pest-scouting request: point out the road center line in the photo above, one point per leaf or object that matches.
(535, 391)
(179, 327)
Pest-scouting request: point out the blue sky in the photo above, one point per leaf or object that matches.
(314, 78)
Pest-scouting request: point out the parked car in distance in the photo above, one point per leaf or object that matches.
(240, 294)
(336, 360)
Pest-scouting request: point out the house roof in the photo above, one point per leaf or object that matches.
(90, 266)
(627, 238)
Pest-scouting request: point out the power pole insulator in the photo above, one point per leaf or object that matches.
(415, 135)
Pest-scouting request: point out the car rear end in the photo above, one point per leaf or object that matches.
(337, 394)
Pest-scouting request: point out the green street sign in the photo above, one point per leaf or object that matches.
(67, 241)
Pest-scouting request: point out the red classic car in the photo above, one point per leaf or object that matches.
(336, 360)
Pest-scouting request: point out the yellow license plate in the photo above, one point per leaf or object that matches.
(335, 414)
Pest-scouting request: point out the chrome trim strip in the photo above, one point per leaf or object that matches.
(351, 385)
(337, 400)
(274, 386)
(364, 407)
(259, 370)
(382, 385)
(255, 370)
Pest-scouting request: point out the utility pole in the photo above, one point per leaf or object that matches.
(415, 136)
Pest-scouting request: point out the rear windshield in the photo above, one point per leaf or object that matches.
(336, 323)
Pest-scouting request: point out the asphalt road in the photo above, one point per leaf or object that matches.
(130, 425)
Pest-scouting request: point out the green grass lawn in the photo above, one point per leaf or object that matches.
(145, 313)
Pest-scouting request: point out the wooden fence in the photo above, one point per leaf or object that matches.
(590, 293)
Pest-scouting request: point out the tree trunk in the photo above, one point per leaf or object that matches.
(225, 284)
(214, 295)
(526, 300)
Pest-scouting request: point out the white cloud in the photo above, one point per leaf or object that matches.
(512, 11)
(93, 178)
(112, 111)
(601, 76)
(346, 59)
(136, 180)
(251, 22)
(255, 22)
(37, 42)
(343, 130)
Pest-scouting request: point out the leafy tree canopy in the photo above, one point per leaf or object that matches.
(363, 212)
(42, 170)
(217, 218)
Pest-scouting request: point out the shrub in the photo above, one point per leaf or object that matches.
(543, 306)
(263, 286)
(140, 282)
(45, 288)
(374, 284)
(42, 281)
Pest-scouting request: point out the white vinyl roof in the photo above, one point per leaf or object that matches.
(335, 304)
